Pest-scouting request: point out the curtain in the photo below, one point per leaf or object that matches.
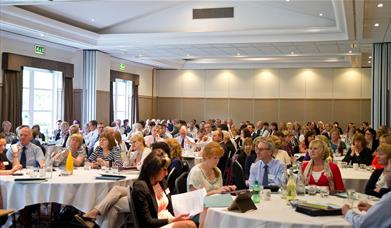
(135, 105)
(68, 99)
(12, 98)
(381, 84)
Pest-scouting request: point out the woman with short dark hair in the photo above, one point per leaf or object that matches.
(359, 153)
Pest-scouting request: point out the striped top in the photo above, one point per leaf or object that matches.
(114, 155)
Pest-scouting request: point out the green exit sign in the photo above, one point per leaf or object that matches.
(39, 49)
(122, 66)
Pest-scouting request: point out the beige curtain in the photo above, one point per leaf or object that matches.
(11, 109)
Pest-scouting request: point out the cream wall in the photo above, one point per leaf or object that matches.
(346, 83)
(340, 94)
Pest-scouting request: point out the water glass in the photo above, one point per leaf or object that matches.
(363, 166)
(266, 194)
(355, 166)
(351, 196)
(324, 191)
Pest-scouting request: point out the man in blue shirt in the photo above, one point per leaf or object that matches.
(377, 215)
(26, 153)
(267, 170)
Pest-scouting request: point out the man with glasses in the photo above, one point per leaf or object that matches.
(267, 171)
(377, 215)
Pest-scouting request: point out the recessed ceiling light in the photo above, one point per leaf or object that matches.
(92, 19)
(370, 57)
(42, 35)
(292, 53)
(139, 55)
(187, 54)
(380, 5)
(321, 14)
(350, 52)
(287, 0)
(237, 54)
(369, 62)
(376, 25)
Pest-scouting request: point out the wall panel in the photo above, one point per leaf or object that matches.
(292, 110)
(193, 108)
(145, 108)
(347, 83)
(292, 83)
(169, 84)
(216, 84)
(316, 110)
(216, 108)
(241, 84)
(169, 108)
(193, 83)
(266, 109)
(319, 83)
(241, 109)
(102, 112)
(266, 83)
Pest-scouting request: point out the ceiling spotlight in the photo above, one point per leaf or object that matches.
(237, 54)
(380, 5)
(369, 62)
(187, 54)
(321, 14)
(42, 35)
(350, 52)
(92, 19)
(370, 57)
(287, 0)
(292, 53)
(376, 25)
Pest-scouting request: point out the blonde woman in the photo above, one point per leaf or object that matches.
(279, 154)
(138, 152)
(74, 147)
(176, 166)
(318, 171)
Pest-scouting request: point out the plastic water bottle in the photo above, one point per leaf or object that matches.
(291, 187)
(300, 186)
(255, 195)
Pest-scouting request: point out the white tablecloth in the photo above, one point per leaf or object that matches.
(274, 213)
(355, 179)
(80, 190)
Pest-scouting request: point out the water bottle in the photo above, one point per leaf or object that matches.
(255, 194)
(291, 190)
(300, 186)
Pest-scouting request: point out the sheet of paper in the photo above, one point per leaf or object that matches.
(218, 200)
(189, 202)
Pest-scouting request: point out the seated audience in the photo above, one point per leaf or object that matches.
(176, 166)
(358, 153)
(185, 141)
(40, 136)
(384, 139)
(206, 174)
(279, 154)
(154, 136)
(120, 143)
(137, 153)
(9, 136)
(5, 163)
(337, 145)
(106, 152)
(247, 156)
(267, 170)
(152, 204)
(63, 135)
(308, 137)
(377, 215)
(75, 148)
(26, 153)
(370, 137)
(321, 172)
(376, 185)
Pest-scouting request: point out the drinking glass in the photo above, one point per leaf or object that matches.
(312, 190)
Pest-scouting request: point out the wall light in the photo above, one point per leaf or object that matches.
(376, 25)
(380, 5)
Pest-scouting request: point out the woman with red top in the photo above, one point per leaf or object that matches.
(384, 139)
(318, 171)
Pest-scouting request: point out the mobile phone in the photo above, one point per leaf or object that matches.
(17, 174)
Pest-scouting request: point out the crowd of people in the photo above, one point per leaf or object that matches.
(156, 148)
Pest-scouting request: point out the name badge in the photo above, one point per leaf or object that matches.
(6, 163)
(167, 191)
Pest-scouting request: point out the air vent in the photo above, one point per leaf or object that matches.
(211, 13)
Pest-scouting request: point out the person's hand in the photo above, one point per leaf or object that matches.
(377, 189)
(364, 206)
(345, 208)
(181, 217)
(94, 165)
(100, 161)
(232, 187)
(16, 168)
(15, 150)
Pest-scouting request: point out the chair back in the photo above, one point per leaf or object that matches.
(238, 176)
(185, 166)
(133, 214)
(181, 182)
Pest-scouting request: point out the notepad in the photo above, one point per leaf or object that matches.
(190, 202)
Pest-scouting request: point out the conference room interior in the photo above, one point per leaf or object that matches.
(176, 63)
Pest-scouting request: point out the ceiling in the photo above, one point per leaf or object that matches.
(163, 34)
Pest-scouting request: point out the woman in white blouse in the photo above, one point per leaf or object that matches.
(137, 153)
(279, 154)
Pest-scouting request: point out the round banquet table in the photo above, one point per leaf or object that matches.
(80, 190)
(275, 213)
(355, 179)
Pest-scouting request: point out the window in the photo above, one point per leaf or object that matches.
(122, 99)
(43, 98)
